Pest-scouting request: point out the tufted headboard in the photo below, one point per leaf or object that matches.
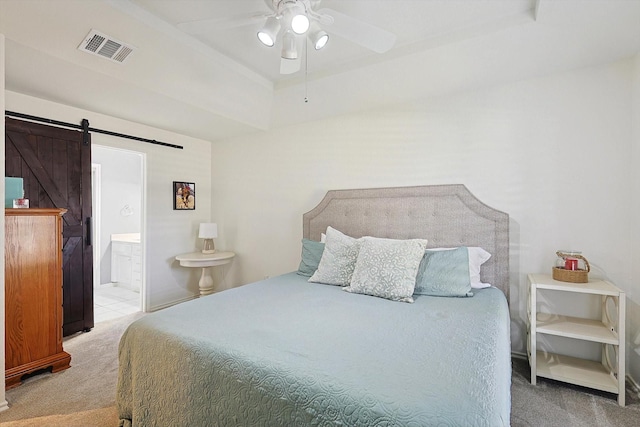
(446, 215)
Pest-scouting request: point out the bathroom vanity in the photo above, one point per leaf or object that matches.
(126, 262)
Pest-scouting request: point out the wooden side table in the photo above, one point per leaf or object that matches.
(204, 261)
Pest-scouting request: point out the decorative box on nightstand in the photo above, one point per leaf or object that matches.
(608, 374)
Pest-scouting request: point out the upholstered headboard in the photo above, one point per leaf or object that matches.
(446, 215)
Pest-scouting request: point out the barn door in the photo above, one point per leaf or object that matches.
(56, 168)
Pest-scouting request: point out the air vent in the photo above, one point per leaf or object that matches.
(100, 44)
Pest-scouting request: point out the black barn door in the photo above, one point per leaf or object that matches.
(56, 168)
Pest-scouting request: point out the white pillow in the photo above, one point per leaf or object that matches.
(338, 259)
(477, 257)
(387, 268)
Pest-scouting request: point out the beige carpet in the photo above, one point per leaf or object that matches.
(557, 404)
(84, 395)
(105, 417)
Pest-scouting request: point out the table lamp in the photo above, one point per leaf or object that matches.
(208, 231)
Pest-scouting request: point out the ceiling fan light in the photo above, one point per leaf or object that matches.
(300, 24)
(296, 17)
(267, 35)
(322, 41)
(266, 39)
(289, 46)
(318, 37)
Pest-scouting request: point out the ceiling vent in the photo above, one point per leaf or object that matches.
(100, 44)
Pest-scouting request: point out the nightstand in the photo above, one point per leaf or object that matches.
(204, 261)
(608, 374)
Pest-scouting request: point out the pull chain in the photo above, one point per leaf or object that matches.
(306, 70)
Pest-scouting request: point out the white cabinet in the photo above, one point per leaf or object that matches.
(607, 374)
(126, 263)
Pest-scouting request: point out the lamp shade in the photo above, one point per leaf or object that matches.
(318, 36)
(268, 33)
(208, 230)
(289, 46)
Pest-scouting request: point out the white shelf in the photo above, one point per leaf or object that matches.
(607, 375)
(585, 373)
(575, 327)
(594, 286)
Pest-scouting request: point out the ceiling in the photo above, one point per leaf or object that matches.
(221, 82)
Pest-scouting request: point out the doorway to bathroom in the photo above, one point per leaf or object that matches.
(118, 189)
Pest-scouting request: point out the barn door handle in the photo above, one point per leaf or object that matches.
(88, 222)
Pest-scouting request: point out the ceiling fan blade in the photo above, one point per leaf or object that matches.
(359, 32)
(205, 25)
(290, 66)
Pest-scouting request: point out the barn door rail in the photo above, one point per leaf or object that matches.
(85, 128)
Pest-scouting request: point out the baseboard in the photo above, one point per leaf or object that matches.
(634, 385)
(518, 355)
(4, 405)
(167, 305)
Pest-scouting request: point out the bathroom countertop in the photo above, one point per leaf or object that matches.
(126, 237)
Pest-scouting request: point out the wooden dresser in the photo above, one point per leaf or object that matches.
(33, 293)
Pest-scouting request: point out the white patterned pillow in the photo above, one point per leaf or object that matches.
(338, 259)
(387, 268)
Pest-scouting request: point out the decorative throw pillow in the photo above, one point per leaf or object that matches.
(387, 268)
(338, 259)
(311, 255)
(444, 273)
(477, 257)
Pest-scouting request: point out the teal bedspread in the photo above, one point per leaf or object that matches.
(285, 352)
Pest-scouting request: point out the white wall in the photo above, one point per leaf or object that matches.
(554, 152)
(3, 402)
(121, 187)
(166, 233)
(633, 302)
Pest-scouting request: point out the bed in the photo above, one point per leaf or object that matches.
(289, 352)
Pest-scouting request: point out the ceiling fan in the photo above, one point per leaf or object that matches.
(292, 21)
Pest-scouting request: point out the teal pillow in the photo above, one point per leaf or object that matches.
(444, 274)
(311, 254)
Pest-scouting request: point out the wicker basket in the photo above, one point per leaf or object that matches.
(573, 276)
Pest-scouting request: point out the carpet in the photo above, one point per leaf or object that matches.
(556, 404)
(89, 384)
(104, 417)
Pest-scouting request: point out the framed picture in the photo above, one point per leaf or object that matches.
(184, 195)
